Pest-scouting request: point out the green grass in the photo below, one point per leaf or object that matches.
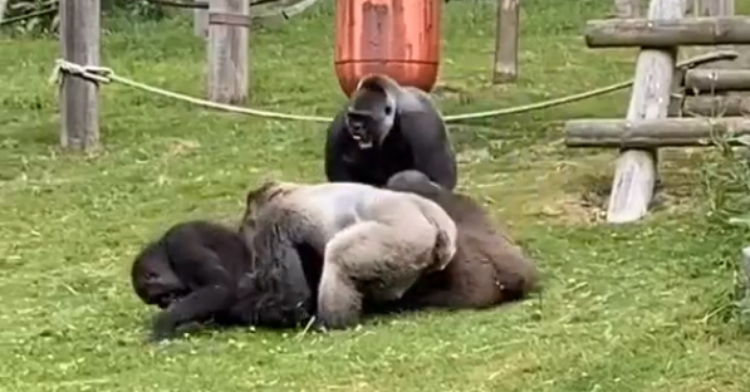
(645, 307)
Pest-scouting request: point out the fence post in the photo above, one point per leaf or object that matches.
(506, 41)
(228, 47)
(79, 102)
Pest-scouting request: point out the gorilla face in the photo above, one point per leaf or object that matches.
(154, 281)
(370, 118)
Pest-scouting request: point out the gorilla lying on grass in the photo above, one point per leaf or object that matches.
(488, 268)
(200, 271)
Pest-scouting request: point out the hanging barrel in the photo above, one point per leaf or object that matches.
(399, 38)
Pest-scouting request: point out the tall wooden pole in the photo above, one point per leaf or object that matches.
(506, 41)
(3, 3)
(79, 101)
(228, 47)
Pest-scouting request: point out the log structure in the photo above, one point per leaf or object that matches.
(675, 132)
(635, 172)
(663, 32)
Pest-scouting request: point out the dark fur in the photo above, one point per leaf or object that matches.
(417, 139)
(192, 272)
(200, 271)
(488, 269)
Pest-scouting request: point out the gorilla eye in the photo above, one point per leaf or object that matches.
(388, 110)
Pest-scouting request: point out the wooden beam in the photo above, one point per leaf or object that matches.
(708, 80)
(635, 170)
(228, 47)
(674, 132)
(659, 32)
(506, 41)
(729, 105)
(79, 100)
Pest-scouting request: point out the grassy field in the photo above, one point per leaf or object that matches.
(646, 307)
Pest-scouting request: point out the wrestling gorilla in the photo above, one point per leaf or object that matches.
(201, 271)
(488, 269)
(375, 244)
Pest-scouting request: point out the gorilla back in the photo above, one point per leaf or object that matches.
(387, 128)
(488, 267)
(375, 243)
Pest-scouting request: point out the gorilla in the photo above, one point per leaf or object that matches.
(192, 273)
(375, 244)
(487, 269)
(200, 271)
(386, 128)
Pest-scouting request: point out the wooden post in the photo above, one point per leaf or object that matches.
(627, 8)
(79, 42)
(635, 173)
(228, 46)
(3, 3)
(506, 41)
(714, 7)
(200, 22)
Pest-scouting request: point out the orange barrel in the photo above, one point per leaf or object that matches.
(399, 38)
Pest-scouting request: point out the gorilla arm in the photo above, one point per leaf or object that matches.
(424, 129)
(380, 258)
(213, 284)
(336, 169)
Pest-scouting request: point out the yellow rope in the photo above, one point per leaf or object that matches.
(106, 75)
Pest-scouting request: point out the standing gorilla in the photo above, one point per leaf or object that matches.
(387, 128)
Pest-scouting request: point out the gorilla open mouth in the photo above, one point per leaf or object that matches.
(363, 141)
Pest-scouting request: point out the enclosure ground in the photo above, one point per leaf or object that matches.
(640, 308)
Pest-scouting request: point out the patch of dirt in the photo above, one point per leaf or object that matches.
(576, 192)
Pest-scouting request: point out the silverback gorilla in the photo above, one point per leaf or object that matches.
(375, 244)
(386, 128)
(200, 271)
(488, 268)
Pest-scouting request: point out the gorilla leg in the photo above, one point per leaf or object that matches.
(374, 259)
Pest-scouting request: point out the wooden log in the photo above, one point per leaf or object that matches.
(729, 105)
(200, 22)
(506, 41)
(673, 132)
(79, 99)
(709, 80)
(635, 172)
(661, 33)
(228, 47)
